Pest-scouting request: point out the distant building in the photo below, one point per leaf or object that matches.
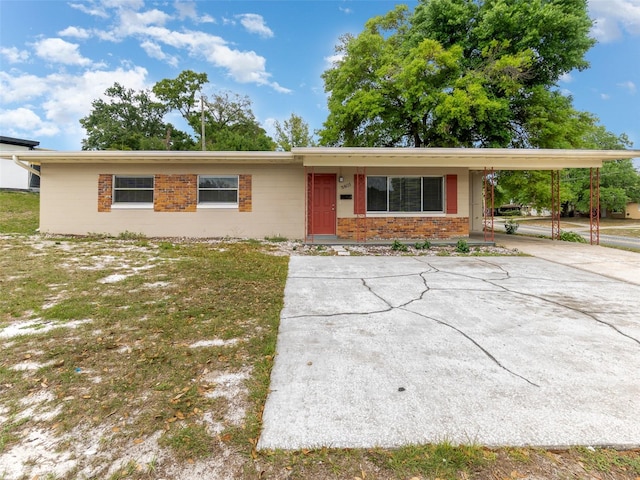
(13, 176)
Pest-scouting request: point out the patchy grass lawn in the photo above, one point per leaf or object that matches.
(19, 212)
(146, 359)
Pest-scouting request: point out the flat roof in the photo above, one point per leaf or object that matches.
(472, 158)
(20, 142)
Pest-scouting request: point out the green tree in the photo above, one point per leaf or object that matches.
(619, 181)
(183, 93)
(293, 132)
(471, 73)
(130, 120)
(231, 125)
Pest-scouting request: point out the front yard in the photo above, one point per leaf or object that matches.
(150, 359)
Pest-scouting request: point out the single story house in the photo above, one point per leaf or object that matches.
(632, 211)
(11, 175)
(355, 194)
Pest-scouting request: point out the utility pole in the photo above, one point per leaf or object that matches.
(202, 99)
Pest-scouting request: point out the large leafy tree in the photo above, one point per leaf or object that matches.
(231, 125)
(619, 181)
(183, 93)
(293, 132)
(466, 73)
(135, 120)
(130, 120)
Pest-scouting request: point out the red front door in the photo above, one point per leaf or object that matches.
(321, 216)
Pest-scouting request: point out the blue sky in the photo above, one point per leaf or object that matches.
(57, 56)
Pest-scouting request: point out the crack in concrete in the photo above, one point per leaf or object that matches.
(556, 303)
(403, 306)
(472, 340)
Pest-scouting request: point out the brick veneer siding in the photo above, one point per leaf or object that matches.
(175, 193)
(105, 192)
(244, 194)
(389, 228)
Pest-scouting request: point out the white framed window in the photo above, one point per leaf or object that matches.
(395, 194)
(135, 191)
(218, 191)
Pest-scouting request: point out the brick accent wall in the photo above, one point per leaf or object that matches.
(244, 193)
(390, 228)
(105, 192)
(175, 193)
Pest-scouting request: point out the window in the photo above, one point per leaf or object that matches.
(218, 190)
(133, 189)
(405, 194)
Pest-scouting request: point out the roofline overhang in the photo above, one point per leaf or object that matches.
(19, 142)
(469, 158)
(172, 157)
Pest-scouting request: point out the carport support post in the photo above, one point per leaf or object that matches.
(594, 206)
(488, 199)
(555, 204)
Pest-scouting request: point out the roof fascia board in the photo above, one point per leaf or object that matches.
(455, 162)
(472, 158)
(164, 157)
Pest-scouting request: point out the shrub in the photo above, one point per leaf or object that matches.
(462, 246)
(511, 226)
(398, 246)
(572, 237)
(426, 245)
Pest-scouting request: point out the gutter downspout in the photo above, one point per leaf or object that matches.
(25, 166)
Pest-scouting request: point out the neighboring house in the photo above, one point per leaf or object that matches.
(14, 176)
(632, 211)
(355, 194)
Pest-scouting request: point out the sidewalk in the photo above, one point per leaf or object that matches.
(610, 262)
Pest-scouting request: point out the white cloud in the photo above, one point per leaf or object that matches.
(75, 32)
(155, 51)
(254, 23)
(605, 96)
(13, 55)
(188, 10)
(613, 18)
(149, 28)
(345, 10)
(56, 50)
(63, 99)
(22, 119)
(90, 8)
(132, 23)
(566, 78)
(628, 85)
(17, 88)
(332, 60)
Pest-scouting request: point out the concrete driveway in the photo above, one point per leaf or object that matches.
(388, 351)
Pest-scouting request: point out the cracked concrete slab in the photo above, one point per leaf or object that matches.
(388, 351)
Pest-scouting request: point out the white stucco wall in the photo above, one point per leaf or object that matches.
(12, 175)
